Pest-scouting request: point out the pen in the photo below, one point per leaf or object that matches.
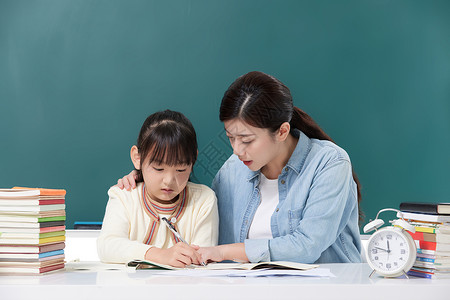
(175, 232)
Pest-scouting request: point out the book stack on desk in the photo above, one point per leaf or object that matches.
(32, 230)
(432, 237)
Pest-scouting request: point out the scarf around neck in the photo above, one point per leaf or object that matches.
(153, 209)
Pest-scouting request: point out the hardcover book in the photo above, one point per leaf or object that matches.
(427, 208)
(32, 248)
(425, 217)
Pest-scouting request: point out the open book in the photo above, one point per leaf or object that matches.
(285, 265)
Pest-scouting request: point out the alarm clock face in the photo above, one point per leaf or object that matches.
(391, 251)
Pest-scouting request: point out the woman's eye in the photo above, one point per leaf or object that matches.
(246, 142)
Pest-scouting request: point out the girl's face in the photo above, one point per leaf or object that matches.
(164, 182)
(255, 147)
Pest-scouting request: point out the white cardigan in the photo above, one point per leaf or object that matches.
(126, 223)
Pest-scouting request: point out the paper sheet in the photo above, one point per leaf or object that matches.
(318, 272)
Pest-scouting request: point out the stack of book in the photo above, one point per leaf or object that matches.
(432, 237)
(32, 230)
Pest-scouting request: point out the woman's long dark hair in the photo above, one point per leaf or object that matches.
(263, 101)
(167, 137)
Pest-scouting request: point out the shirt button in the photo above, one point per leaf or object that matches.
(277, 209)
(286, 169)
(283, 182)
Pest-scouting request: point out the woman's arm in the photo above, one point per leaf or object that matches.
(235, 252)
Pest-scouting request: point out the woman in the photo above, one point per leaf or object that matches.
(287, 192)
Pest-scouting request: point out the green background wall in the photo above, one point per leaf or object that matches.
(78, 78)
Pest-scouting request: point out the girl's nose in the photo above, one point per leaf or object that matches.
(168, 179)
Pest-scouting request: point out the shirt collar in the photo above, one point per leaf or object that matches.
(301, 151)
(298, 157)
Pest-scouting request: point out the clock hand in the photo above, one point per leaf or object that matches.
(388, 249)
(381, 249)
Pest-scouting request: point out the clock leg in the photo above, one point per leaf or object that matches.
(371, 273)
(405, 274)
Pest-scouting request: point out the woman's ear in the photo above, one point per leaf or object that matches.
(135, 157)
(283, 132)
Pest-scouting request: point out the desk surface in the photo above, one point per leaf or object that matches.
(99, 281)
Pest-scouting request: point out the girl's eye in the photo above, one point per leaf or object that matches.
(181, 170)
(158, 169)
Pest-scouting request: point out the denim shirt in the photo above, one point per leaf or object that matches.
(316, 220)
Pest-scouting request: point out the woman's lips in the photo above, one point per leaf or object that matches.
(247, 162)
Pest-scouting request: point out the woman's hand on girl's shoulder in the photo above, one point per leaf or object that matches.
(128, 182)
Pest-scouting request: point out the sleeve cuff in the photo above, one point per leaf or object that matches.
(139, 252)
(257, 250)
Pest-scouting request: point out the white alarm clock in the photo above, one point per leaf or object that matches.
(391, 250)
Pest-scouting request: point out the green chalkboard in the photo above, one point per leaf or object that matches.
(78, 78)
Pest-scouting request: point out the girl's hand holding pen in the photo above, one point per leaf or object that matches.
(180, 255)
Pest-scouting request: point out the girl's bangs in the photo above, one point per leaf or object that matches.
(170, 151)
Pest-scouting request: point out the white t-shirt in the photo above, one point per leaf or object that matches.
(260, 227)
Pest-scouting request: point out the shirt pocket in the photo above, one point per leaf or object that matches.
(295, 216)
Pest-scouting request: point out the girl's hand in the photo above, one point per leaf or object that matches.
(180, 255)
(209, 254)
(128, 181)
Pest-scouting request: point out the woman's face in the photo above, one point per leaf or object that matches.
(255, 147)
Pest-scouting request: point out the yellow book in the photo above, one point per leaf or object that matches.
(36, 241)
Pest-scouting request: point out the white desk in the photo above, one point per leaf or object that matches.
(351, 282)
(97, 282)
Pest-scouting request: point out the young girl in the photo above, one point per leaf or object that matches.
(132, 228)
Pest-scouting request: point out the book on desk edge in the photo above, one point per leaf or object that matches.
(427, 208)
(32, 264)
(43, 191)
(31, 256)
(424, 217)
(19, 209)
(30, 235)
(32, 248)
(30, 218)
(145, 264)
(32, 241)
(31, 271)
(36, 225)
(31, 230)
(32, 201)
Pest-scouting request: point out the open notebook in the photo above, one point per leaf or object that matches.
(277, 265)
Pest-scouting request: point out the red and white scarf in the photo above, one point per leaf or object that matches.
(153, 209)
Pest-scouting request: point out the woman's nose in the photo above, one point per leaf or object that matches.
(238, 148)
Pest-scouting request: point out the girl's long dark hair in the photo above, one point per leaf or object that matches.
(263, 101)
(167, 137)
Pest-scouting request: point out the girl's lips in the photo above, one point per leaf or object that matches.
(167, 190)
